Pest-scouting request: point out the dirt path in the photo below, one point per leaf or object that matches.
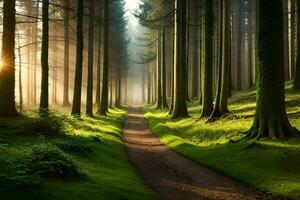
(174, 176)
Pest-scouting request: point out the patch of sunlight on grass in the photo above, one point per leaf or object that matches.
(270, 165)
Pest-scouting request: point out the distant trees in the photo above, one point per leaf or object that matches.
(55, 45)
(7, 65)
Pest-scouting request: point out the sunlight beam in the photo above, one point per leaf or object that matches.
(131, 6)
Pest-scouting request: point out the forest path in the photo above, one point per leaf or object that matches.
(173, 176)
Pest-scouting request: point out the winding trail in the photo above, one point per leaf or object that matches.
(173, 176)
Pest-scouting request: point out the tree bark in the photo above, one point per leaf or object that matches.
(34, 55)
(226, 58)
(159, 74)
(44, 100)
(164, 71)
(172, 74)
(90, 78)
(270, 118)
(76, 108)
(238, 46)
(7, 67)
(180, 107)
(207, 85)
(216, 111)
(104, 97)
(98, 90)
(66, 101)
(297, 70)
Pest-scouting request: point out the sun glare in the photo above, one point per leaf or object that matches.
(131, 6)
(1, 65)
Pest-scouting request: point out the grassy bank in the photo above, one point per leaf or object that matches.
(273, 166)
(60, 157)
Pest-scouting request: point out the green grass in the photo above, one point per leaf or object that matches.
(272, 166)
(94, 144)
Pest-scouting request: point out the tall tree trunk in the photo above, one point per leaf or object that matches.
(238, 45)
(104, 97)
(98, 90)
(297, 70)
(207, 85)
(44, 100)
(111, 88)
(286, 40)
(216, 111)
(201, 49)
(250, 42)
(118, 90)
(292, 36)
(226, 58)
(34, 58)
(158, 71)
(7, 68)
(180, 107)
(28, 54)
(164, 71)
(90, 79)
(172, 73)
(20, 74)
(270, 118)
(55, 65)
(186, 34)
(149, 86)
(67, 8)
(76, 108)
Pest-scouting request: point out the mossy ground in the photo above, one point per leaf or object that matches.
(273, 166)
(93, 143)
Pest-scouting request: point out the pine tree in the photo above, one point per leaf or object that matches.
(104, 97)
(7, 67)
(89, 98)
(44, 100)
(163, 71)
(207, 70)
(180, 107)
(270, 117)
(297, 70)
(66, 52)
(76, 108)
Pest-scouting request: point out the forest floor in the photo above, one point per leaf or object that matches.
(269, 165)
(173, 176)
(60, 157)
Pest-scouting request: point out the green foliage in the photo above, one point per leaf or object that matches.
(49, 161)
(110, 175)
(47, 124)
(79, 146)
(18, 179)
